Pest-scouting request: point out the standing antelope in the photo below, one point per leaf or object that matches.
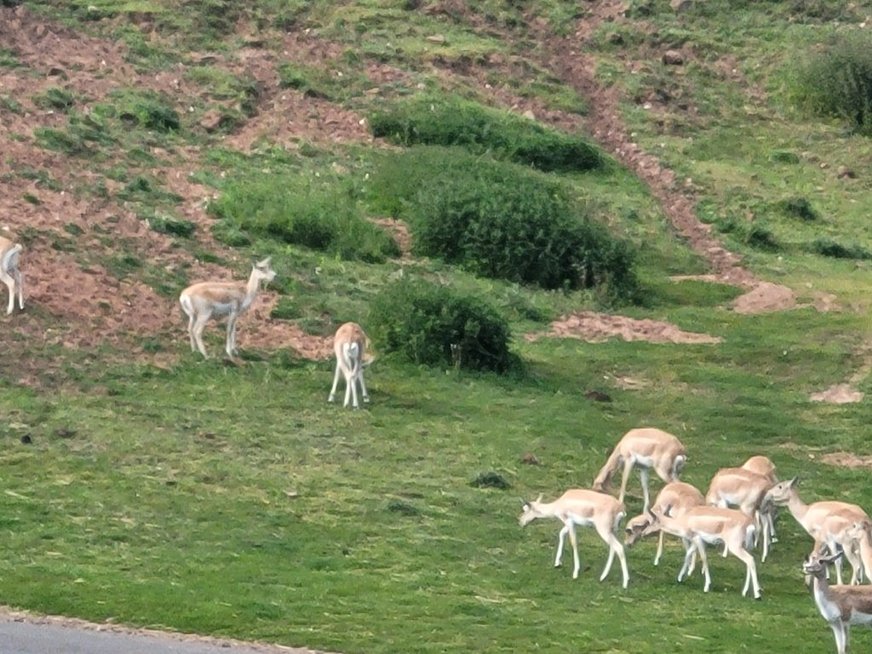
(813, 517)
(644, 448)
(9, 272)
(218, 299)
(841, 606)
(349, 344)
(676, 494)
(745, 490)
(710, 524)
(582, 508)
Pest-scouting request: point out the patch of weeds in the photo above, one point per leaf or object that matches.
(784, 156)
(286, 309)
(152, 345)
(42, 178)
(143, 109)
(10, 104)
(31, 199)
(830, 248)
(73, 229)
(761, 238)
(55, 98)
(230, 234)
(144, 189)
(403, 508)
(315, 82)
(60, 243)
(491, 480)
(72, 145)
(798, 207)
(171, 226)
(123, 265)
(223, 85)
(8, 59)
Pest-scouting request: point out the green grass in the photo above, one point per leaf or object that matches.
(166, 491)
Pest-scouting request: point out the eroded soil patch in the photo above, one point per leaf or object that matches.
(598, 327)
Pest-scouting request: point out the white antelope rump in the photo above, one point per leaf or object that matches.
(745, 490)
(349, 345)
(676, 494)
(10, 273)
(582, 508)
(646, 448)
(764, 467)
(206, 300)
(841, 606)
(817, 518)
(703, 525)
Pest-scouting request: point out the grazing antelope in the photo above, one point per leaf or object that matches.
(582, 508)
(844, 532)
(9, 272)
(813, 517)
(207, 300)
(745, 490)
(764, 467)
(645, 449)
(676, 494)
(841, 606)
(710, 524)
(349, 344)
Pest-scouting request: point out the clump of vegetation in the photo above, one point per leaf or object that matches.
(141, 108)
(55, 98)
(491, 480)
(502, 221)
(172, 226)
(830, 248)
(838, 81)
(798, 207)
(435, 325)
(454, 121)
(320, 217)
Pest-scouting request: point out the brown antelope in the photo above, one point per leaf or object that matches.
(710, 524)
(349, 345)
(644, 448)
(676, 494)
(841, 606)
(207, 300)
(582, 508)
(813, 517)
(764, 467)
(745, 490)
(10, 273)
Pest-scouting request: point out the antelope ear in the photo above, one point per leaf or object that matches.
(264, 263)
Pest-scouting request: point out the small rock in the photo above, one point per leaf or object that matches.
(530, 459)
(598, 396)
(211, 120)
(437, 38)
(529, 114)
(680, 6)
(844, 172)
(673, 58)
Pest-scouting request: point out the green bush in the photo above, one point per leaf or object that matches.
(838, 81)
(319, 217)
(829, 248)
(798, 207)
(434, 325)
(453, 121)
(502, 221)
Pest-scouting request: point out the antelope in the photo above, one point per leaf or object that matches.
(764, 467)
(207, 300)
(813, 517)
(582, 508)
(846, 533)
(676, 494)
(9, 272)
(710, 524)
(841, 606)
(643, 448)
(745, 490)
(349, 344)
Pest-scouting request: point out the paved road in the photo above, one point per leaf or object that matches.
(27, 635)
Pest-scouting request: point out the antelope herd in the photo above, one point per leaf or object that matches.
(737, 511)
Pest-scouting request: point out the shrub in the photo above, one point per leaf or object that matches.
(503, 221)
(145, 109)
(797, 207)
(829, 248)
(453, 121)
(434, 325)
(317, 217)
(838, 81)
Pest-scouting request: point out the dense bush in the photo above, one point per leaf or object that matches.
(838, 81)
(318, 217)
(434, 325)
(798, 207)
(453, 121)
(829, 248)
(500, 220)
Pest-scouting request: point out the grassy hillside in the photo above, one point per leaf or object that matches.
(148, 145)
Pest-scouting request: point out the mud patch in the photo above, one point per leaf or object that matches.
(838, 394)
(765, 297)
(847, 460)
(399, 231)
(598, 327)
